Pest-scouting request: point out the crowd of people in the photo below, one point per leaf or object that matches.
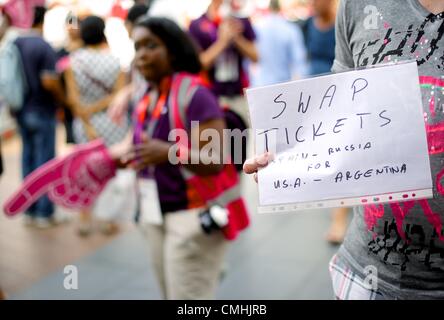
(199, 73)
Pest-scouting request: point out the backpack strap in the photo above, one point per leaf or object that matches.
(183, 88)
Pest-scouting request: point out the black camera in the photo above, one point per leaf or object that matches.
(214, 218)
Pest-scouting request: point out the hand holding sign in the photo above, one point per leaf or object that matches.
(254, 164)
(342, 139)
(72, 181)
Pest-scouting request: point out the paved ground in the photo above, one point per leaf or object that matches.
(281, 256)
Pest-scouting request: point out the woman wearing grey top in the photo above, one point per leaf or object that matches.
(92, 80)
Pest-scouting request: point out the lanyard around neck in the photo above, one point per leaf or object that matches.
(146, 106)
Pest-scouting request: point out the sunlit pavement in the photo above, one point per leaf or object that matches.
(282, 256)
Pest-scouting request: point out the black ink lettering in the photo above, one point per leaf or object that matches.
(385, 118)
(394, 170)
(355, 91)
(266, 137)
(338, 177)
(328, 95)
(296, 135)
(315, 131)
(404, 168)
(362, 114)
(280, 101)
(338, 124)
(301, 104)
(297, 183)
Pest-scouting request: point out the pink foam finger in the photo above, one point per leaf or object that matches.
(34, 186)
(17, 204)
(72, 181)
(37, 183)
(63, 199)
(85, 179)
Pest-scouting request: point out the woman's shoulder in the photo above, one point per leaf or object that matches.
(201, 93)
(204, 105)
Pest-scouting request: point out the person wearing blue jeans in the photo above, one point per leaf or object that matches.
(37, 117)
(38, 137)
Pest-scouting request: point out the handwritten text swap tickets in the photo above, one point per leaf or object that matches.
(342, 139)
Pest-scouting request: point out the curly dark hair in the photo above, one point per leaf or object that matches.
(180, 46)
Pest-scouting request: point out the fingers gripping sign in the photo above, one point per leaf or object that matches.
(252, 165)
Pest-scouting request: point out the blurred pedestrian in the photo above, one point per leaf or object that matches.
(136, 87)
(37, 117)
(4, 26)
(187, 260)
(73, 43)
(281, 49)
(93, 78)
(134, 13)
(319, 33)
(2, 295)
(226, 40)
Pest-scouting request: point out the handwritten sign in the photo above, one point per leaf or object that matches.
(344, 139)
